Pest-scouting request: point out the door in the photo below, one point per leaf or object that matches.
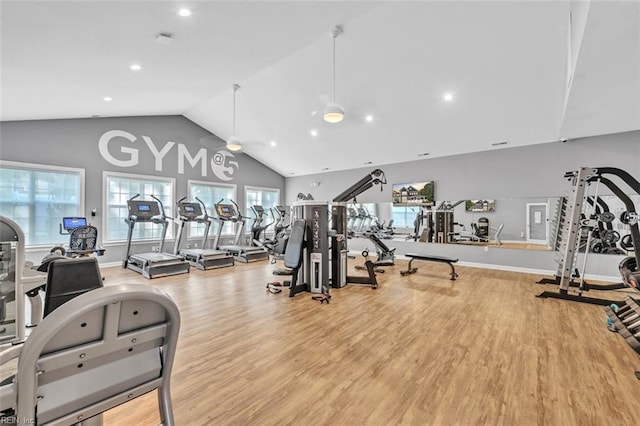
(537, 223)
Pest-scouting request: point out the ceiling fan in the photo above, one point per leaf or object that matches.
(334, 113)
(233, 143)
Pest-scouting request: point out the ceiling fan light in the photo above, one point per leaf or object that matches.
(333, 113)
(233, 144)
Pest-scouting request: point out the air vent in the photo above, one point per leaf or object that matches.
(423, 154)
(499, 143)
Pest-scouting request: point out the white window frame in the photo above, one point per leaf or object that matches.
(213, 214)
(53, 169)
(105, 204)
(406, 212)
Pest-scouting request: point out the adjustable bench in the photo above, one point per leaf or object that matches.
(428, 258)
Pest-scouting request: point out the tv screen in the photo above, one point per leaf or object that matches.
(69, 223)
(480, 205)
(413, 194)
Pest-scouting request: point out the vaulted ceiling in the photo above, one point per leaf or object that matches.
(521, 72)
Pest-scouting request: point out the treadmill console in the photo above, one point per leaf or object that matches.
(143, 210)
(71, 223)
(226, 211)
(189, 211)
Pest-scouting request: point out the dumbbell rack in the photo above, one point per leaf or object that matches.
(626, 320)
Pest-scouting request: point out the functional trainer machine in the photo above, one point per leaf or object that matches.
(151, 264)
(245, 254)
(201, 258)
(571, 220)
(324, 262)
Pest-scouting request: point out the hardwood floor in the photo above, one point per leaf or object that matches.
(419, 350)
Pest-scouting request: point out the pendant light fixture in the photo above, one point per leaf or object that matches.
(233, 144)
(334, 113)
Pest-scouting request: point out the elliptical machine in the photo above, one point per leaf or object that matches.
(258, 228)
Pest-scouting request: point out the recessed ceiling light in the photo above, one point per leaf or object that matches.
(107, 99)
(324, 169)
(369, 118)
(273, 143)
(135, 67)
(423, 154)
(313, 133)
(184, 12)
(367, 163)
(292, 173)
(448, 96)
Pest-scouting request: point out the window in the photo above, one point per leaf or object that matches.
(37, 197)
(210, 194)
(265, 197)
(404, 217)
(118, 188)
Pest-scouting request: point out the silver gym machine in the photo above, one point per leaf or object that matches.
(201, 258)
(242, 253)
(151, 264)
(325, 255)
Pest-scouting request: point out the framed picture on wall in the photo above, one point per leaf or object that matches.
(480, 205)
(413, 194)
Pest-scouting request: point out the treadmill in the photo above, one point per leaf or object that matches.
(245, 254)
(200, 258)
(151, 264)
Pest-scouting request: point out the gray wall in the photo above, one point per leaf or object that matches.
(74, 143)
(534, 171)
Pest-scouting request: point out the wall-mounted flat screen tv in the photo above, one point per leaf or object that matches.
(413, 194)
(480, 205)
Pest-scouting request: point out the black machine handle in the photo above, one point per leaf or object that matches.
(163, 216)
(238, 213)
(204, 209)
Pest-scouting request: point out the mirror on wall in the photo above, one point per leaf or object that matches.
(521, 223)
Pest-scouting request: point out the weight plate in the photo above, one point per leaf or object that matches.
(607, 217)
(610, 236)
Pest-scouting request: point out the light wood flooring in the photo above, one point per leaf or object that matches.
(419, 350)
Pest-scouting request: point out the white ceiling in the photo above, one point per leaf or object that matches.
(505, 62)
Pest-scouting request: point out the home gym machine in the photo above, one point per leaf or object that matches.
(201, 258)
(242, 253)
(324, 262)
(571, 222)
(151, 264)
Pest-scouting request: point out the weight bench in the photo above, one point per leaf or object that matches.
(427, 258)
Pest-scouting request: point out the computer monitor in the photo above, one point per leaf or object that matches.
(71, 223)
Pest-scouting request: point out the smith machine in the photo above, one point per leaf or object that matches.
(624, 316)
